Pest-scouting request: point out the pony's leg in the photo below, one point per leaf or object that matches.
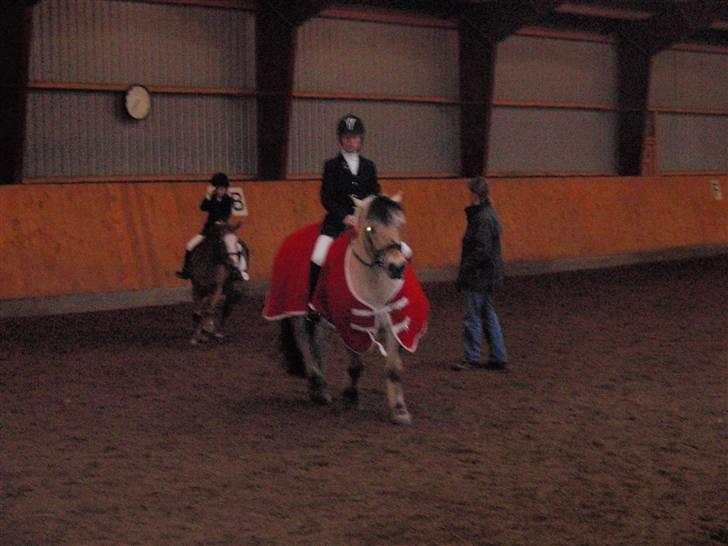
(351, 393)
(395, 395)
(214, 310)
(202, 318)
(309, 343)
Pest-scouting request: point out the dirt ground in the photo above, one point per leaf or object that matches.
(609, 428)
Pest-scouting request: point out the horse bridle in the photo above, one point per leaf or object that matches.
(377, 253)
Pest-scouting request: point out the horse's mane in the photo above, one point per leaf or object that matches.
(384, 209)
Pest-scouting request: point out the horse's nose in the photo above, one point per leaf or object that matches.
(396, 270)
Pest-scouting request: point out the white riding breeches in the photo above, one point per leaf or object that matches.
(192, 243)
(235, 254)
(321, 249)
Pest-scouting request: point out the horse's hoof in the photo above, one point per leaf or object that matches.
(322, 398)
(402, 417)
(351, 399)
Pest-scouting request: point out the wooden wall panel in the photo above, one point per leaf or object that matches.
(95, 238)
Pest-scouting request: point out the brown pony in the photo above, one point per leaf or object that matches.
(214, 290)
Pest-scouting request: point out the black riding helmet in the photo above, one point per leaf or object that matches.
(350, 125)
(220, 180)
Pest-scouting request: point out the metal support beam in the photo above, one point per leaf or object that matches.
(477, 79)
(482, 26)
(15, 29)
(678, 22)
(633, 89)
(276, 28)
(638, 42)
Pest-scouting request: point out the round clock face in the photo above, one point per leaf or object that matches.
(137, 101)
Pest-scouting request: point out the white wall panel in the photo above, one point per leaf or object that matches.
(111, 41)
(87, 134)
(692, 143)
(547, 140)
(545, 69)
(401, 137)
(687, 79)
(366, 57)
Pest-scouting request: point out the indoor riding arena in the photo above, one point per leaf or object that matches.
(602, 128)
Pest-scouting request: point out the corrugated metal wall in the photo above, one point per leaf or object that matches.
(336, 56)
(85, 133)
(88, 134)
(687, 79)
(112, 41)
(538, 140)
(72, 133)
(554, 140)
(364, 57)
(690, 80)
(692, 143)
(401, 137)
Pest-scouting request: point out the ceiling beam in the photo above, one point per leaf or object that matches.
(294, 12)
(677, 22)
(498, 19)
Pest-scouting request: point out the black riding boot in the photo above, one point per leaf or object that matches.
(312, 316)
(185, 273)
(313, 276)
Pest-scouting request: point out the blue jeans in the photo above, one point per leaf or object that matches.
(480, 318)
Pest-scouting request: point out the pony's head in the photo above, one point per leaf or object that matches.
(379, 221)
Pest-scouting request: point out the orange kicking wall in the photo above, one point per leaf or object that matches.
(90, 238)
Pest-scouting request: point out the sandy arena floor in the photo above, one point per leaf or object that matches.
(610, 427)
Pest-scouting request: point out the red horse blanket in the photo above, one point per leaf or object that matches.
(406, 312)
(289, 282)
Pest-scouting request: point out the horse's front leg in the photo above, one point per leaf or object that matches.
(308, 338)
(395, 395)
(351, 393)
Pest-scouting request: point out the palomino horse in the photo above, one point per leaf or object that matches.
(365, 290)
(214, 291)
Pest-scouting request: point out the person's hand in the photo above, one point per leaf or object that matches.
(210, 190)
(350, 220)
(245, 276)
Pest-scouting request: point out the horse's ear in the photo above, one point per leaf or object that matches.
(397, 197)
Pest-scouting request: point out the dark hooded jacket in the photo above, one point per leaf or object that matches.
(481, 265)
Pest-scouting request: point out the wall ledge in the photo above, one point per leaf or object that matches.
(108, 301)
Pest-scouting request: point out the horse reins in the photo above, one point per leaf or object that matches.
(378, 253)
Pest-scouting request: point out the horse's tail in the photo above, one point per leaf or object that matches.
(291, 353)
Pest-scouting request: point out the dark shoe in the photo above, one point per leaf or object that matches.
(465, 365)
(496, 366)
(185, 273)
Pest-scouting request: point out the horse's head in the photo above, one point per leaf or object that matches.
(379, 221)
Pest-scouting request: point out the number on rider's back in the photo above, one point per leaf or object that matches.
(239, 206)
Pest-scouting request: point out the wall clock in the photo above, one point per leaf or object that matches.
(137, 101)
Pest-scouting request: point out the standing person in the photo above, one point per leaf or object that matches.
(481, 273)
(219, 206)
(346, 175)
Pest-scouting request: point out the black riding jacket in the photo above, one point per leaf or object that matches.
(217, 210)
(339, 184)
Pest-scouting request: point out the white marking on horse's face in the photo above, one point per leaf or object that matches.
(387, 239)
